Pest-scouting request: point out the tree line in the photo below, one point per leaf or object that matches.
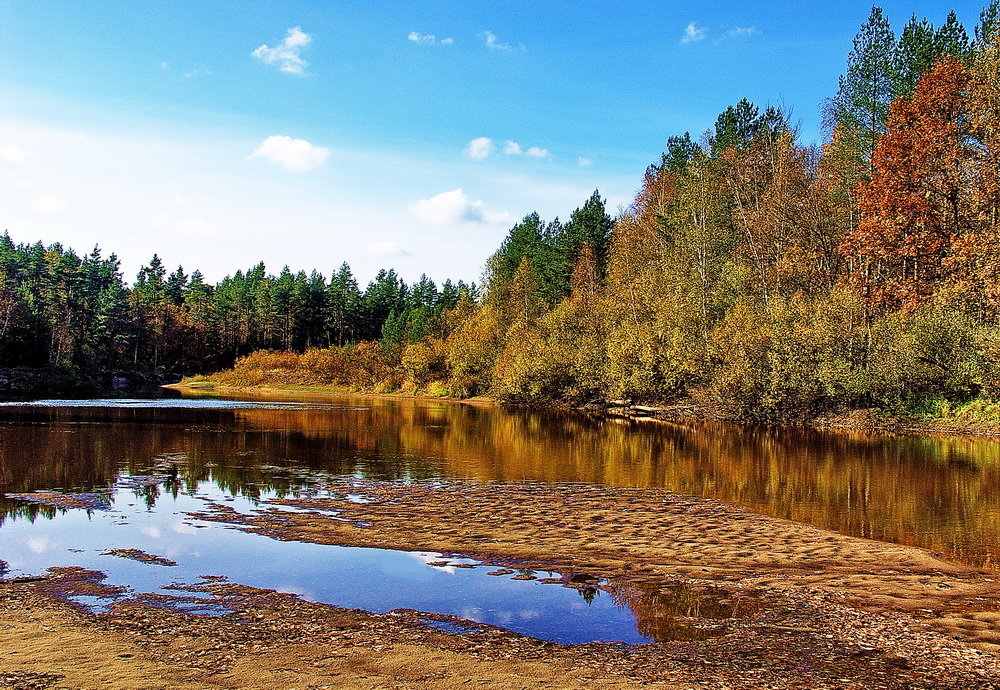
(61, 309)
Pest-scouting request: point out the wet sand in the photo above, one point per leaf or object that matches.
(820, 609)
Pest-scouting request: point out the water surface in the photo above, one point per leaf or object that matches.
(939, 493)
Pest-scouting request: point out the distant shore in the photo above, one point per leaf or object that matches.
(25, 383)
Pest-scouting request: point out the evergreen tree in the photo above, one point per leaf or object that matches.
(915, 54)
(989, 22)
(866, 89)
(175, 286)
(952, 39)
(423, 293)
(591, 225)
(681, 150)
(344, 299)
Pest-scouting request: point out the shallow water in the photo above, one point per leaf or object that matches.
(934, 492)
(377, 580)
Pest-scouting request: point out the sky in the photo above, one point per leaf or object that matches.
(384, 133)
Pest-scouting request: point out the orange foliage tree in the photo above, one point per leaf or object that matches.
(919, 207)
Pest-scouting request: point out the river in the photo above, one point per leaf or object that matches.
(139, 470)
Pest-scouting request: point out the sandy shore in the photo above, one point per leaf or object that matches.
(813, 608)
(307, 393)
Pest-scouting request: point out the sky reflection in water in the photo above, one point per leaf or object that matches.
(376, 580)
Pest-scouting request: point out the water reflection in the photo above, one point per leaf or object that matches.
(939, 493)
(163, 557)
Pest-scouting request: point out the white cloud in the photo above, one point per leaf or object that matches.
(455, 207)
(493, 43)
(47, 203)
(151, 531)
(584, 162)
(197, 72)
(297, 155)
(387, 249)
(164, 65)
(693, 33)
(40, 544)
(512, 148)
(287, 53)
(12, 154)
(742, 31)
(429, 39)
(417, 37)
(479, 148)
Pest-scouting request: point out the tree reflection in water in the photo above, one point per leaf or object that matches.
(936, 492)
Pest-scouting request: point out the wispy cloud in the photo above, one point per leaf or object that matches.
(584, 162)
(287, 54)
(513, 148)
(428, 39)
(455, 207)
(296, 155)
(479, 148)
(491, 41)
(742, 32)
(197, 72)
(693, 33)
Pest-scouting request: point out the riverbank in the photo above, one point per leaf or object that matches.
(976, 419)
(806, 607)
(206, 387)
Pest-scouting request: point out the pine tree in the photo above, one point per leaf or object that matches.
(344, 299)
(866, 89)
(952, 39)
(915, 54)
(175, 286)
(588, 225)
(989, 22)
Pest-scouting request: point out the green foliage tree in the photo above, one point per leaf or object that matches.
(868, 86)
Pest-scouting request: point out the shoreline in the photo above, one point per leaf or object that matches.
(863, 614)
(307, 392)
(853, 421)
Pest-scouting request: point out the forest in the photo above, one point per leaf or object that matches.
(753, 275)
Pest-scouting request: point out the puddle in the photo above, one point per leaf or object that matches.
(157, 529)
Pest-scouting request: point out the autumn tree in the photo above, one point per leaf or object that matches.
(917, 205)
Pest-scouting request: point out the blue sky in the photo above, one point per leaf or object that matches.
(406, 134)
